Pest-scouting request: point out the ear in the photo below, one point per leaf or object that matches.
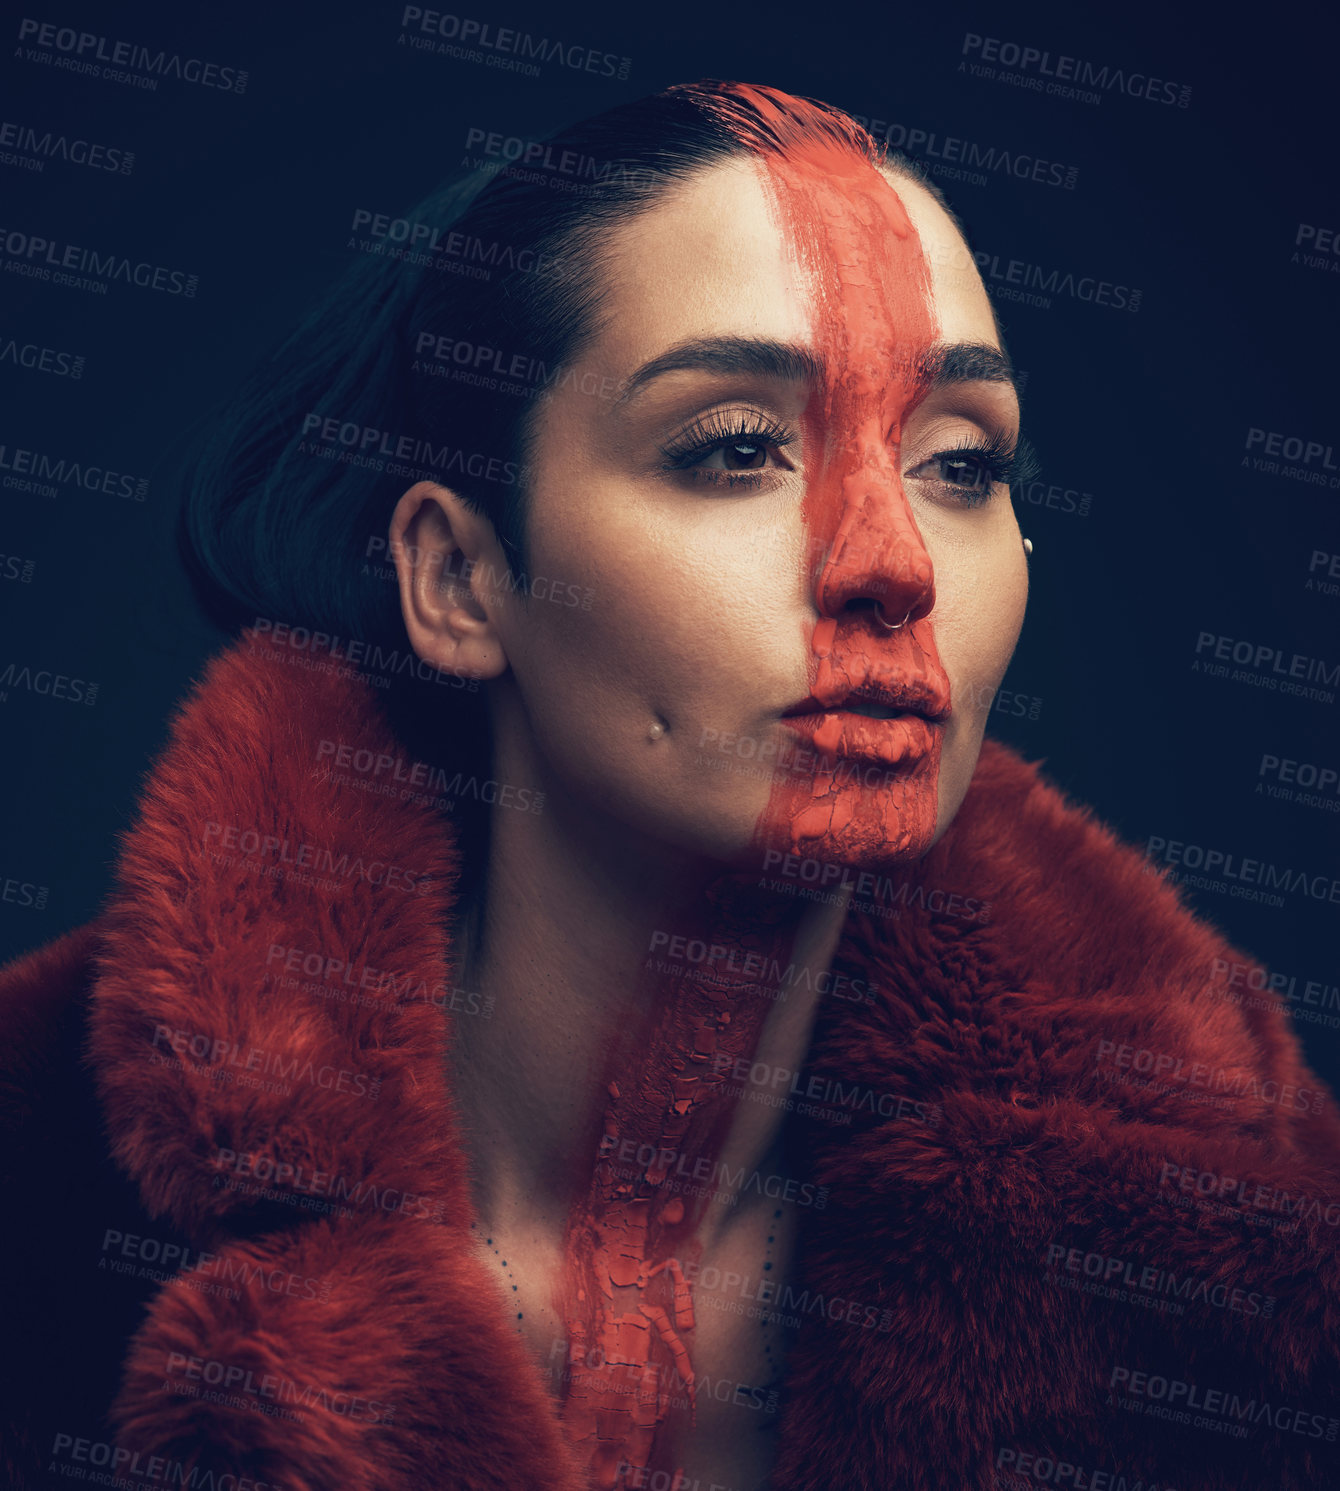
(445, 554)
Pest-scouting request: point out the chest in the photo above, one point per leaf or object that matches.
(689, 1379)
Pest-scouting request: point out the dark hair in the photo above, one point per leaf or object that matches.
(288, 500)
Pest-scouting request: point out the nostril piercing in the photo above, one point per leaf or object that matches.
(890, 626)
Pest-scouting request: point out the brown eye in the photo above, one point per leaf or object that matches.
(743, 455)
(971, 472)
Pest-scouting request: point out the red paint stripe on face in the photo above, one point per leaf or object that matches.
(871, 319)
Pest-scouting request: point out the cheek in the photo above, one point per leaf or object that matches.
(696, 629)
(980, 600)
(688, 602)
(981, 591)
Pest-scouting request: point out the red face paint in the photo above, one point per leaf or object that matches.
(871, 320)
(625, 1305)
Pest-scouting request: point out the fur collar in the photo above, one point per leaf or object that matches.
(1001, 1143)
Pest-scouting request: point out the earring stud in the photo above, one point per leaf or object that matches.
(1028, 547)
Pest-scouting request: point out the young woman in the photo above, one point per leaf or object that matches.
(581, 1005)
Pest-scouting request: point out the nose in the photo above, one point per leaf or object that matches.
(876, 561)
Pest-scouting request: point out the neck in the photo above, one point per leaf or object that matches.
(612, 1104)
(608, 971)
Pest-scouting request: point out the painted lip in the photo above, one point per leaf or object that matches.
(892, 689)
(916, 704)
(903, 741)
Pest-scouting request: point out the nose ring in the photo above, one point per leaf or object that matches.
(890, 626)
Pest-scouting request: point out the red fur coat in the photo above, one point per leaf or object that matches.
(1092, 1246)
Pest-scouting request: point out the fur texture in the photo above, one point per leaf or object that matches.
(1004, 1235)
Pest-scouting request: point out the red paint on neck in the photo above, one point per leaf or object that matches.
(628, 1313)
(624, 1301)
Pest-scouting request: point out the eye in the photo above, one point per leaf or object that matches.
(970, 473)
(730, 448)
(968, 470)
(738, 455)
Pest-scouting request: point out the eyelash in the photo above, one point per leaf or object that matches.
(1001, 461)
(715, 432)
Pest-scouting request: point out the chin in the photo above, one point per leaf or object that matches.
(856, 827)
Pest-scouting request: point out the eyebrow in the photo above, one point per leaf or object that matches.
(936, 367)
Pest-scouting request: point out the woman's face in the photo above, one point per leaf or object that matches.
(803, 591)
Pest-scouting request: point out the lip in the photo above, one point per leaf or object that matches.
(901, 691)
(903, 741)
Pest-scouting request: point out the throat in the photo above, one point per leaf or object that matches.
(659, 1196)
(627, 1160)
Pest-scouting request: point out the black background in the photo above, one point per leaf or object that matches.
(1197, 207)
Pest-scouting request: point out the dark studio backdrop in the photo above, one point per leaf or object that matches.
(1163, 248)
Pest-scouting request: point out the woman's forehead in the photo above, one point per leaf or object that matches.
(714, 256)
